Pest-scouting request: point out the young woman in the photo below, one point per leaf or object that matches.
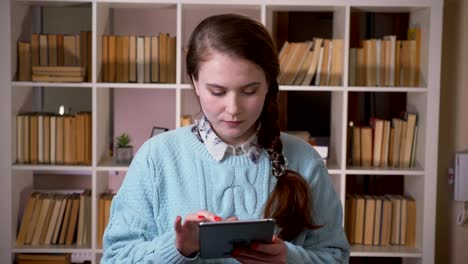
(233, 164)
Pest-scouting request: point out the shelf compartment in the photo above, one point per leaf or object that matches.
(133, 111)
(60, 18)
(140, 19)
(376, 24)
(24, 183)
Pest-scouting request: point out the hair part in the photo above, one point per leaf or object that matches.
(242, 37)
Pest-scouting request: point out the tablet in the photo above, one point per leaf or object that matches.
(218, 239)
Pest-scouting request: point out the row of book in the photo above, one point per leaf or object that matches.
(381, 220)
(386, 62)
(384, 143)
(300, 62)
(44, 138)
(55, 50)
(59, 218)
(141, 59)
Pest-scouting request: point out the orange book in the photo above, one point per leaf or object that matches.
(72, 226)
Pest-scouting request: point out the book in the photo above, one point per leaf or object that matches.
(377, 221)
(171, 59)
(33, 138)
(360, 216)
(105, 59)
(314, 63)
(140, 59)
(369, 217)
(356, 159)
(154, 59)
(366, 146)
(336, 68)
(410, 222)
(43, 50)
(147, 58)
(132, 53)
(24, 61)
(19, 138)
(162, 57)
(34, 49)
(26, 219)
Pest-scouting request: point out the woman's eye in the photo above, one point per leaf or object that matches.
(250, 92)
(217, 93)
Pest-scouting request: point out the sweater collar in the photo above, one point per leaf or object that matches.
(218, 149)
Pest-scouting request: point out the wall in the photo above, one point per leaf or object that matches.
(5, 133)
(451, 239)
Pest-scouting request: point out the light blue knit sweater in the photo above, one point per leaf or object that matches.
(174, 174)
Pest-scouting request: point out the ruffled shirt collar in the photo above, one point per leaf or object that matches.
(219, 149)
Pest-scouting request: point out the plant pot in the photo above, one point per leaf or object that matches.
(124, 155)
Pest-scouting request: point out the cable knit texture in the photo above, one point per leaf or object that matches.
(174, 174)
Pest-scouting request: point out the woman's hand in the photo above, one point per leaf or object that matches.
(187, 232)
(274, 252)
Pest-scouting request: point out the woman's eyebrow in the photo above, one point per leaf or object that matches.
(214, 85)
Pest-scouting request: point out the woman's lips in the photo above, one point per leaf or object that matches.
(233, 123)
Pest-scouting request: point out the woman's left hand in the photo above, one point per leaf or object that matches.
(274, 252)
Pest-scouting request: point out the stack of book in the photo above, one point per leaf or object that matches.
(319, 63)
(58, 74)
(142, 59)
(44, 138)
(387, 61)
(60, 218)
(381, 220)
(385, 143)
(55, 50)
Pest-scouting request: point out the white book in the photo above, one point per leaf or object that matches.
(40, 140)
(140, 59)
(319, 68)
(391, 67)
(315, 62)
(53, 138)
(147, 59)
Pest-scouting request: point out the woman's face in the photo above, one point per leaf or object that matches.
(232, 92)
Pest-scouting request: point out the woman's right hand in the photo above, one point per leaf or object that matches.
(187, 232)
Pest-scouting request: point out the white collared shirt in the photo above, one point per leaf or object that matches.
(219, 149)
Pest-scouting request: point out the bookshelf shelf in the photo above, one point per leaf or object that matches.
(390, 251)
(417, 171)
(108, 164)
(35, 167)
(387, 89)
(47, 84)
(137, 85)
(169, 101)
(311, 88)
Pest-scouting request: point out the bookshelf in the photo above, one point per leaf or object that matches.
(179, 17)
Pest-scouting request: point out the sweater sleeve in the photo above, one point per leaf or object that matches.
(132, 235)
(327, 244)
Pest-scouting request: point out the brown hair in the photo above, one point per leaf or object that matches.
(236, 35)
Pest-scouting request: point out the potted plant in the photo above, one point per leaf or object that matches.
(123, 150)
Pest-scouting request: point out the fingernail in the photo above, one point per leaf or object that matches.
(217, 218)
(201, 217)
